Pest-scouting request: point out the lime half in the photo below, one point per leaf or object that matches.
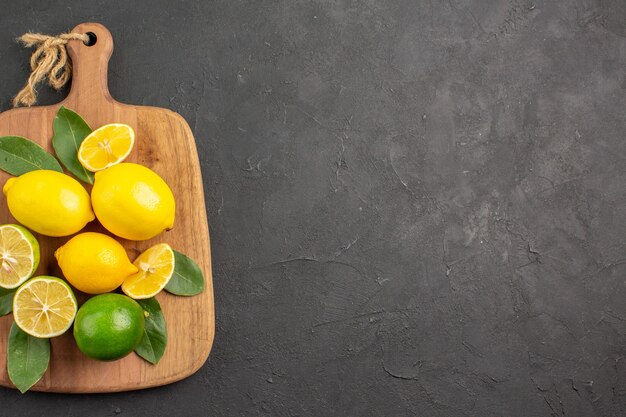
(44, 307)
(19, 255)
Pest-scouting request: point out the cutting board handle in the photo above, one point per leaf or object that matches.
(90, 63)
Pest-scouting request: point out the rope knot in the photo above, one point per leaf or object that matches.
(49, 60)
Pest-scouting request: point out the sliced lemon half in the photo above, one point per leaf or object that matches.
(106, 146)
(156, 267)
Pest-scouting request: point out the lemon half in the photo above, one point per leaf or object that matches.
(156, 267)
(106, 146)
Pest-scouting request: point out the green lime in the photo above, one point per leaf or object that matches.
(108, 326)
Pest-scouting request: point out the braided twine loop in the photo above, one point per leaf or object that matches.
(50, 60)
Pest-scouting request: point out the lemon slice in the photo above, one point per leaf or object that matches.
(44, 307)
(156, 267)
(19, 255)
(106, 146)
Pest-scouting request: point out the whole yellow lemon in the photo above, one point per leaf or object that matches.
(132, 201)
(94, 263)
(48, 202)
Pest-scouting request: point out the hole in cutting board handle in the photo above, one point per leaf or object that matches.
(92, 39)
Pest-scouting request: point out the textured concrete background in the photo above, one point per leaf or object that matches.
(417, 207)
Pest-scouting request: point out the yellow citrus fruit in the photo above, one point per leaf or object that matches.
(156, 267)
(48, 202)
(132, 201)
(44, 307)
(106, 146)
(19, 255)
(94, 263)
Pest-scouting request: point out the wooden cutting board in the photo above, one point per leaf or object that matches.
(166, 145)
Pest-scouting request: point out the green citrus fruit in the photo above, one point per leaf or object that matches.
(109, 326)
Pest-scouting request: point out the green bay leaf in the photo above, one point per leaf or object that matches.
(188, 278)
(152, 345)
(27, 359)
(19, 155)
(69, 132)
(6, 301)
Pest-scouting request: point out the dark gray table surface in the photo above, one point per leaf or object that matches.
(416, 207)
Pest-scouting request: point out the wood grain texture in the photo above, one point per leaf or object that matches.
(166, 145)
